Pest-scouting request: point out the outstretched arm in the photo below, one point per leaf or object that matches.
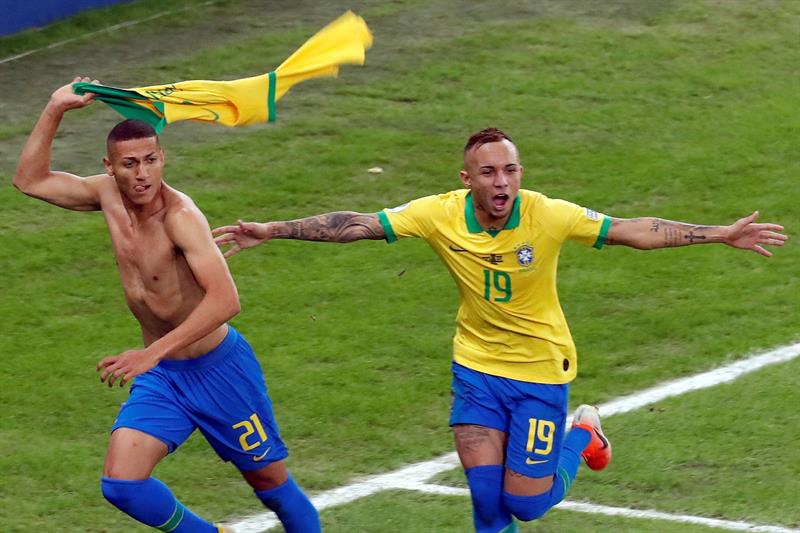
(34, 177)
(341, 226)
(650, 233)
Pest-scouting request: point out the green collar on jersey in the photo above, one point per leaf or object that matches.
(474, 226)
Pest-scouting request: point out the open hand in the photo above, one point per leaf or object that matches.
(126, 366)
(747, 235)
(244, 235)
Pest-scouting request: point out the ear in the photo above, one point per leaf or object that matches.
(465, 178)
(109, 168)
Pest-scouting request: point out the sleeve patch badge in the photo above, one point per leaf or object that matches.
(398, 208)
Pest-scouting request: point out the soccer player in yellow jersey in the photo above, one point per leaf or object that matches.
(513, 356)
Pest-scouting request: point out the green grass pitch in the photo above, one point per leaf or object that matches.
(675, 108)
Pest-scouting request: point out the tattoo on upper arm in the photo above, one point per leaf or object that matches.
(342, 226)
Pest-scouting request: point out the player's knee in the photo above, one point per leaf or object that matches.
(119, 492)
(527, 508)
(268, 477)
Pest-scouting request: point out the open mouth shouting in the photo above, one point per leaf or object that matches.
(500, 202)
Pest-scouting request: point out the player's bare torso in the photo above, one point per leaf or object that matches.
(160, 288)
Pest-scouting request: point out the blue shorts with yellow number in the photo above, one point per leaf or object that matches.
(221, 393)
(533, 415)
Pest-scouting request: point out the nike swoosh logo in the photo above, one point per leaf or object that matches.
(529, 461)
(259, 457)
(494, 259)
(602, 439)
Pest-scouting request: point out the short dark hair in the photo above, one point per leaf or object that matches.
(485, 136)
(130, 129)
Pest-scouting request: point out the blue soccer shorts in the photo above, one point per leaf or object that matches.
(221, 393)
(533, 415)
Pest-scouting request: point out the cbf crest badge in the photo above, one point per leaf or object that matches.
(524, 254)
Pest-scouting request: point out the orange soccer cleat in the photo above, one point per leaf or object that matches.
(598, 453)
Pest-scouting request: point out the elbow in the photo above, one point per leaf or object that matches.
(236, 308)
(223, 306)
(25, 182)
(233, 307)
(20, 182)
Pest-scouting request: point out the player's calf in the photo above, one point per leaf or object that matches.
(151, 502)
(294, 509)
(486, 489)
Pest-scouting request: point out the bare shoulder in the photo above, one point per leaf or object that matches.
(100, 180)
(182, 215)
(179, 204)
(106, 189)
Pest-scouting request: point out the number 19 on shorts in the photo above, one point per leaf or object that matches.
(540, 436)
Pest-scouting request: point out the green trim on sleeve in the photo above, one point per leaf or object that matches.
(124, 102)
(271, 97)
(82, 87)
(601, 237)
(387, 227)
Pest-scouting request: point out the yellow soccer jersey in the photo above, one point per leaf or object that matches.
(509, 322)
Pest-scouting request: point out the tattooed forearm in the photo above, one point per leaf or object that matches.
(694, 238)
(341, 226)
(680, 234)
(649, 233)
(672, 236)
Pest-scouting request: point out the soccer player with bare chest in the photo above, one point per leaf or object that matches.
(195, 371)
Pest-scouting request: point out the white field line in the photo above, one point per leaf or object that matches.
(416, 476)
(686, 519)
(104, 30)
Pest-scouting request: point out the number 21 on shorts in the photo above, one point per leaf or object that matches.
(250, 427)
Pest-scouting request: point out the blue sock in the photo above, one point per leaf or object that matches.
(533, 507)
(486, 487)
(152, 503)
(292, 506)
